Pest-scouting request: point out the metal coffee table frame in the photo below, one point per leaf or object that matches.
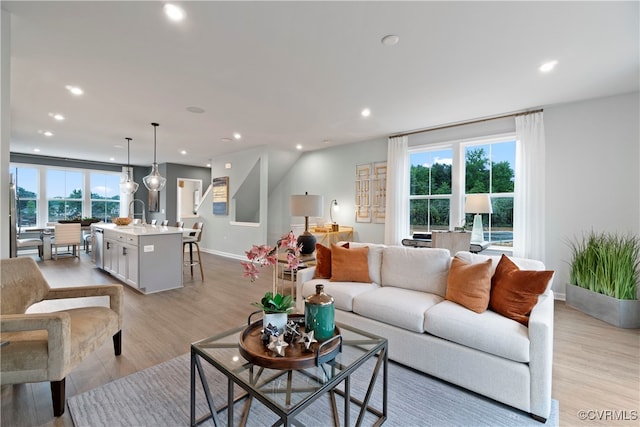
(213, 349)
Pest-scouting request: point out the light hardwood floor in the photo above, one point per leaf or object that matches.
(596, 366)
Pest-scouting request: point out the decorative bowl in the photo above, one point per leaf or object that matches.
(121, 220)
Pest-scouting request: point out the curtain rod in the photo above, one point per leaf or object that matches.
(470, 122)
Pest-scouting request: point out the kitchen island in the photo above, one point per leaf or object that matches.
(148, 258)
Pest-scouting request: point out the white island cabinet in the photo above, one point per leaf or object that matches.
(145, 257)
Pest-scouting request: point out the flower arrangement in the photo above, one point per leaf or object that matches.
(263, 255)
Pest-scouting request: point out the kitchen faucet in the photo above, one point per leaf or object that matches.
(132, 210)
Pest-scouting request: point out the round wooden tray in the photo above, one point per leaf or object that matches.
(295, 354)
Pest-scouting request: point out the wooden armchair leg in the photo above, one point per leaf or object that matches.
(117, 343)
(57, 396)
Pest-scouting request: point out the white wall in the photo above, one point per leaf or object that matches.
(593, 178)
(330, 173)
(5, 112)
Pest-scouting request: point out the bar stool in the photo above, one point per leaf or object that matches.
(165, 222)
(193, 239)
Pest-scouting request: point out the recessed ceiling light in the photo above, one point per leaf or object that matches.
(366, 112)
(174, 12)
(236, 135)
(36, 150)
(227, 165)
(225, 140)
(195, 110)
(548, 66)
(56, 116)
(298, 147)
(118, 146)
(208, 165)
(112, 158)
(47, 133)
(74, 90)
(327, 141)
(183, 152)
(390, 40)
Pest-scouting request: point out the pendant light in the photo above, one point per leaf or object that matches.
(128, 185)
(154, 181)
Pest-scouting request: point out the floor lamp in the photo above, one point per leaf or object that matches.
(477, 204)
(306, 205)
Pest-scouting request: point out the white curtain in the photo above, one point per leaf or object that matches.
(396, 225)
(529, 201)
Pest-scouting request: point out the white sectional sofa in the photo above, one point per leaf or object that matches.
(484, 352)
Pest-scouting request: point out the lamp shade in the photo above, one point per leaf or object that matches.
(306, 205)
(478, 204)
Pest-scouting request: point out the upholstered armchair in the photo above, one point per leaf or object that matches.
(47, 346)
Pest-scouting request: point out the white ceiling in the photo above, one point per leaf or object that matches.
(287, 73)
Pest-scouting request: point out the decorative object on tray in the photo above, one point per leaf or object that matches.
(306, 339)
(319, 313)
(121, 220)
(275, 305)
(277, 344)
(292, 331)
(268, 332)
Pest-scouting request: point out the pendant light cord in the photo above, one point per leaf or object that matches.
(128, 154)
(155, 126)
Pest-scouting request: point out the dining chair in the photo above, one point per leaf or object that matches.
(29, 242)
(67, 235)
(154, 221)
(180, 224)
(191, 239)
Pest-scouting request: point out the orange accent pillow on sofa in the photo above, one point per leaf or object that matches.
(469, 284)
(350, 265)
(323, 261)
(514, 292)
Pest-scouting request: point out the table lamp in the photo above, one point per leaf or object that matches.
(477, 204)
(334, 207)
(306, 205)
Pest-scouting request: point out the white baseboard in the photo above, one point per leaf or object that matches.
(559, 296)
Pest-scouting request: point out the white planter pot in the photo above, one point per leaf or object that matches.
(279, 320)
(622, 313)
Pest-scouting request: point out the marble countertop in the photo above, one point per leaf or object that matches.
(140, 229)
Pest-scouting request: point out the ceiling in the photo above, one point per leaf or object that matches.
(288, 73)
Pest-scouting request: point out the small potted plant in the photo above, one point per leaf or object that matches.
(605, 270)
(275, 306)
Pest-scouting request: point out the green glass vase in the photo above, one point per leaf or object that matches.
(319, 314)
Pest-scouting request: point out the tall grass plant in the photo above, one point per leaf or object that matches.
(606, 263)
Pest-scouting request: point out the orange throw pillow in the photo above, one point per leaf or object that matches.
(514, 292)
(350, 265)
(469, 284)
(323, 261)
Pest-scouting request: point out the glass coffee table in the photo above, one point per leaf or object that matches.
(286, 387)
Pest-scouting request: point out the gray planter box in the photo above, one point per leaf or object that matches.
(618, 312)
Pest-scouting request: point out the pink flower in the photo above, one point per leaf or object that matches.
(264, 255)
(250, 270)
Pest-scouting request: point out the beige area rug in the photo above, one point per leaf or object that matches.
(159, 396)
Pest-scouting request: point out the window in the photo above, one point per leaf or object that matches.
(26, 180)
(64, 194)
(490, 169)
(430, 190)
(50, 193)
(485, 166)
(105, 196)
